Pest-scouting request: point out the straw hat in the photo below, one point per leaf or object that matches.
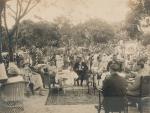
(13, 69)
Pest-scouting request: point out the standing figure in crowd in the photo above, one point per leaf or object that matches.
(81, 69)
(53, 59)
(71, 59)
(18, 60)
(49, 78)
(7, 61)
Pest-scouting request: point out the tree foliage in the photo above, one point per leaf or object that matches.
(63, 33)
(139, 9)
(39, 34)
(23, 7)
(64, 27)
(94, 31)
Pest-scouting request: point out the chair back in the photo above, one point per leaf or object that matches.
(114, 93)
(13, 91)
(145, 86)
(115, 104)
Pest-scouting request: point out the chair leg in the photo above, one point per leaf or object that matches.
(140, 107)
(99, 109)
(106, 111)
(31, 86)
(126, 110)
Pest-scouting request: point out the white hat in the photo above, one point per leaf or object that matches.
(13, 69)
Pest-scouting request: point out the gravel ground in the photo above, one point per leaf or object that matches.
(36, 104)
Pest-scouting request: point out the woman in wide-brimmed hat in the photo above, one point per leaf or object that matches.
(13, 70)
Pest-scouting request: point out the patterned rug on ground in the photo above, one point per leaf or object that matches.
(72, 96)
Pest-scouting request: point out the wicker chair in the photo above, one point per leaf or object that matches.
(12, 95)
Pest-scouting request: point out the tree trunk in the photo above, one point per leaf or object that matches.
(11, 40)
(0, 38)
(1, 10)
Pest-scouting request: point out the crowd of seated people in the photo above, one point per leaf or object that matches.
(115, 85)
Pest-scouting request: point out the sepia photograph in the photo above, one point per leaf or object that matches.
(74, 56)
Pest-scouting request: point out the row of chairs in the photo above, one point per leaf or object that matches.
(141, 100)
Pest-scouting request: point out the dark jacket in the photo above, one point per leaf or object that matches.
(114, 92)
(49, 78)
(80, 69)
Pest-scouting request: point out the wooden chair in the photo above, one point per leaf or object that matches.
(12, 97)
(144, 97)
(114, 104)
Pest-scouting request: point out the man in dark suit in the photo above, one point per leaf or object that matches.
(114, 90)
(81, 69)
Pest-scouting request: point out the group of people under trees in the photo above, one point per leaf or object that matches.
(118, 87)
(114, 77)
(119, 81)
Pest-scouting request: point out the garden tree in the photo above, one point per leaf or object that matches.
(4, 40)
(63, 33)
(48, 33)
(120, 31)
(133, 19)
(64, 27)
(23, 7)
(2, 3)
(39, 34)
(79, 36)
(25, 33)
(139, 9)
(95, 31)
(100, 31)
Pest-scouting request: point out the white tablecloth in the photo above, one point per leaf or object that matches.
(67, 74)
